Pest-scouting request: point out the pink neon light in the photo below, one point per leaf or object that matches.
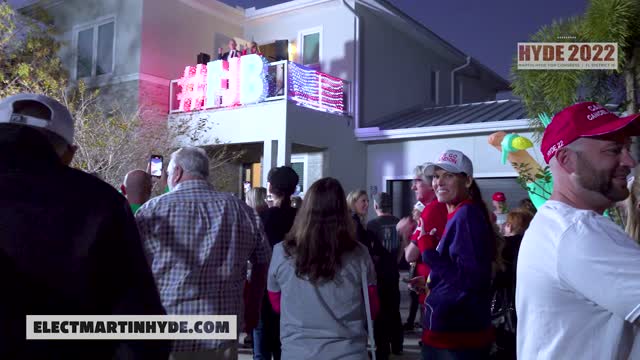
(193, 86)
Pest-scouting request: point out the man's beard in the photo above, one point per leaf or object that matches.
(600, 181)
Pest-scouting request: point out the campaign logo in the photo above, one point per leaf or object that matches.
(567, 56)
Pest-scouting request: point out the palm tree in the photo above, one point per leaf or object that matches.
(550, 91)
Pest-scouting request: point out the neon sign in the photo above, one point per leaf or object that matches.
(245, 80)
(220, 83)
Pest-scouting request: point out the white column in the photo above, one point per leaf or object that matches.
(284, 152)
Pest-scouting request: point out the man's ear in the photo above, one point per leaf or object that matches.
(566, 159)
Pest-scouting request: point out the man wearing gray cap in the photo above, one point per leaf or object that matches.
(68, 241)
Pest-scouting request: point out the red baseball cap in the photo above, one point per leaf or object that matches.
(499, 196)
(586, 119)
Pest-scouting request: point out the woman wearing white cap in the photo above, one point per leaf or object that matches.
(457, 322)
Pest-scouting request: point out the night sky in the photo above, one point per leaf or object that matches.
(486, 30)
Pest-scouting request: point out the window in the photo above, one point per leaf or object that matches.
(435, 85)
(298, 167)
(95, 47)
(311, 46)
(299, 164)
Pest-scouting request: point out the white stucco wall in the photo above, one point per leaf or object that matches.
(337, 24)
(344, 157)
(128, 14)
(175, 31)
(246, 124)
(396, 69)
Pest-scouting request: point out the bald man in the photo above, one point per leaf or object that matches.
(578, 277)
(137, 188)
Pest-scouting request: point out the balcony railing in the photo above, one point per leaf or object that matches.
(227, 85)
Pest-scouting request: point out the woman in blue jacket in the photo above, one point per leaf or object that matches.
(457, 322)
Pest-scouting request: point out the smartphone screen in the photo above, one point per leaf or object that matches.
(156, 165)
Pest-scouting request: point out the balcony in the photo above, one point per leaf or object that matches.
(250, 80)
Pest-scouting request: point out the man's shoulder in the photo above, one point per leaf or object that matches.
(434, 207)
(383, 220)
(89, 187)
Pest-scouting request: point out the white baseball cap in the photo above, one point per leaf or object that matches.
(453, 161)
(58, 120)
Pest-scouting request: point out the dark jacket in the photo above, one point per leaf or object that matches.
(69, 245)
(460, 275)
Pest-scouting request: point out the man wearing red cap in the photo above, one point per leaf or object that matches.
(500, 209)
(578, 292)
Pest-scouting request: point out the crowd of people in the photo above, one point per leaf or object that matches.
(312, 278)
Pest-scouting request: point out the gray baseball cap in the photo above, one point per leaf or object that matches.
(453, 161)
(57, 120)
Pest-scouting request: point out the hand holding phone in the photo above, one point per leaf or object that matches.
(156, 165)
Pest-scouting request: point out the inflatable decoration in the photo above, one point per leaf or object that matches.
(514, 148)
(513, 142)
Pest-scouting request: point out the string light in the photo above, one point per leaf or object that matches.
(246, 80)
(314, 89)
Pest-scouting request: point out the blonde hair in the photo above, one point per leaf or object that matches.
(352, 198)
(256, 198)
(633, 214)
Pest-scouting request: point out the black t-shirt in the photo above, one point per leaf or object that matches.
(277, 222)
(384, 229)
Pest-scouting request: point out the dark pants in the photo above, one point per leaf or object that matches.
(266, 336)
(387, 330)
(413, 309)
(431, 353)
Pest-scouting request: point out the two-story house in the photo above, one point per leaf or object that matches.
(354, 89)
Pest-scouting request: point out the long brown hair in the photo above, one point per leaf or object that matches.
(322, 232)
(497, 241)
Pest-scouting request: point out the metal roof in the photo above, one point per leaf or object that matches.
(454, 115)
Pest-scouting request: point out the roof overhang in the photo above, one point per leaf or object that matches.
(376, 134)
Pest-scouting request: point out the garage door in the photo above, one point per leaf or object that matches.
(403, 197)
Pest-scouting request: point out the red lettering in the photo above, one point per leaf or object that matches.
(559, 53)
(547, 53)
(536, 52)
(524, 53)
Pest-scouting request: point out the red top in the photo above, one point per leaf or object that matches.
(433, 216)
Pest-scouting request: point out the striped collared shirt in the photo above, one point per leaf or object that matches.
(197, 241)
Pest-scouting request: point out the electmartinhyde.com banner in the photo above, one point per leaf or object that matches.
(132, 327)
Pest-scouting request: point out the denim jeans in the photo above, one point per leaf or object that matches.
(266, 335)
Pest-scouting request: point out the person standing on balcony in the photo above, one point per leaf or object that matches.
(253, 49)
(232, 53)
